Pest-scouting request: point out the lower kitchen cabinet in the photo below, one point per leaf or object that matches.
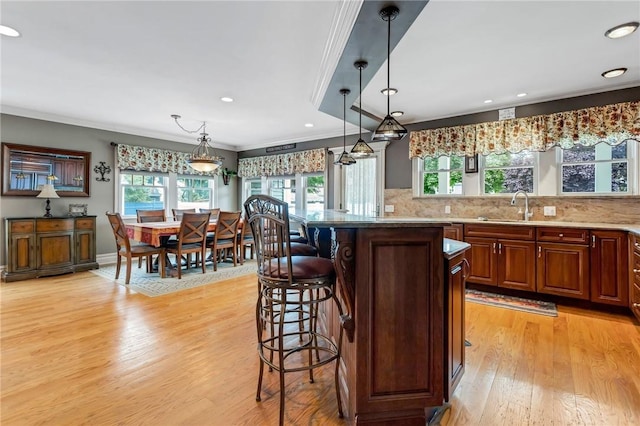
(609, 267)
(563, 262)
(634, 275)
(454, 231)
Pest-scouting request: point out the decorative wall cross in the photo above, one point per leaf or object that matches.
(102, 169)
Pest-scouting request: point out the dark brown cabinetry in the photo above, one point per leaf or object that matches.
(457, 269)
(502, 256)
(563, 262)
(38, 247)
(634, 274)
(453, 232)
(609, 266)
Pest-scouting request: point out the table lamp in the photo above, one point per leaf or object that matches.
(48, 191)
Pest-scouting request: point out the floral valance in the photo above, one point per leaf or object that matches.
(141, 158)
(612, 124)
(309, 161)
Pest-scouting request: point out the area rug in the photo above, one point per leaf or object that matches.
(152, 285)
(511, 302)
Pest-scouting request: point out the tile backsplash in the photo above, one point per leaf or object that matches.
(619, 210)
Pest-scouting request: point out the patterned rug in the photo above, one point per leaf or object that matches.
(511, 302)
(152, 285)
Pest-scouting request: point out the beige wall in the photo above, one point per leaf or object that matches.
(621, 210)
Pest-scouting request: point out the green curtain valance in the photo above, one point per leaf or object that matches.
(612, 124)
(309, 161)
(140, 158)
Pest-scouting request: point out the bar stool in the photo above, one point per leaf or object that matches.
(290, 288)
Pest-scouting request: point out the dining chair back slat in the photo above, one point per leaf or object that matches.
(225, 237)
(177, 213)
(151, 216)
(191, 239)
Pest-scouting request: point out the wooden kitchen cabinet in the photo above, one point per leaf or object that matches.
(453, 232)
(38, 247)
(563, 262)
(634, 274)
(609, 267)
(502, 256)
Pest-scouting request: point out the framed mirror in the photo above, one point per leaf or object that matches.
(25, 169)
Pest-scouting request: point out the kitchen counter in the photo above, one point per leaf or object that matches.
(451, 248)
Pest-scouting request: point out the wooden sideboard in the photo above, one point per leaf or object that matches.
(39, 247)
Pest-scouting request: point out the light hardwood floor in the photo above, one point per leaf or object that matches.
(79, 349)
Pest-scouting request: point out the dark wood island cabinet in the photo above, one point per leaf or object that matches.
(39, 247)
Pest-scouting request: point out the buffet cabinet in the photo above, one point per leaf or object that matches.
(38, 247)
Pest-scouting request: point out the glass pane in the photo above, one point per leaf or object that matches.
(430, 164)
(455, 183)
(619, 177)
(137, 180)
(430, 183)
(315, 193)
(579, 178)
(508, 181)
(126, 179)
(619, 152)
(524, 158)
(143, 199)
(579, 154)
(456, 162)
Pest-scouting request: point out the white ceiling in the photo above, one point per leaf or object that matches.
(127, 66)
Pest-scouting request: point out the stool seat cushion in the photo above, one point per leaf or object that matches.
(174, 245)
(298, 239)
(302, 267)
(300, 249)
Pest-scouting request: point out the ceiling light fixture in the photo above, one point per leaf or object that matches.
(622, 30)
(521, 95)
(226, 99)
(361, 148)
(8, 31)
(488, 101)
(614, 72)
(389, 92)
(203, 157)
(345, 159)
(397, 113)
(308, 125)
(389, 129)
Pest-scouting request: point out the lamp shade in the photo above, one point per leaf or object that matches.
(48, 191)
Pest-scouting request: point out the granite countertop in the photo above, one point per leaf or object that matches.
(450, 248)
(339, 219)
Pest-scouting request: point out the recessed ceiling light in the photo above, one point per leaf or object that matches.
(391, 91)
(488, 101)
(397, 113)
(614, 73)
(226, 99)
(521, 95)
(308, 125)
(622, 30)
(8, 31)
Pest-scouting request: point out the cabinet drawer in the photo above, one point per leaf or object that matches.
(635, 240)
(635, 266)
(86, 223)
(48, 225)
(21, 226)
(500, 231)
(564, 235)
(635, 300)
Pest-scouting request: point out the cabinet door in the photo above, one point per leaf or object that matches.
(563, 270)
(85, 247)
(609, 268)
(21, 253)
(55, 250)
(517, 264)
(455, 323)
(453, 232)
(482, 261)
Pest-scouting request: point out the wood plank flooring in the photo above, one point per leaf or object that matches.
(79, 349)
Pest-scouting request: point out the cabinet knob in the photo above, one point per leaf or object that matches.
(560, 235)
(636, 271)
(636, 305)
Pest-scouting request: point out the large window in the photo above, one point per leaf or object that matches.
(194, 193)
(595, 169)
(142, 191)
(314, 192)
(507, 173)
(284, 189)
(442, 175)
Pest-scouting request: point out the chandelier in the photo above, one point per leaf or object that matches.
(203, 158)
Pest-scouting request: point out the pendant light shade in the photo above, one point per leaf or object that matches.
(361, 149)
(203, 158)
(389, 129)
(345, 159)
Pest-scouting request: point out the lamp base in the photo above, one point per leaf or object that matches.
(48, 209)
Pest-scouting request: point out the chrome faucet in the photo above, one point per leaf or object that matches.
(527, 213)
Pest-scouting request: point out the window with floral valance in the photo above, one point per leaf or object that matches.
(310, 161)
(612, 124)
(140, 158)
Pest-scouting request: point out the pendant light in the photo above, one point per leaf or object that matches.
(361, 148)
(389, 129)
(203, 158)
(345, 159)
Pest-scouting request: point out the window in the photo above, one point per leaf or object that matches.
(194, 193)
(142, 191)
(314, 192)
(595, 169)
(283, 189)
(507, 173)
(442, 175)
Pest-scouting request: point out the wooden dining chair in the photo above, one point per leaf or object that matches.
(225, 237)
(245, 241)
(144, 216)
(128, 251)
(192, 238)
(214, 213)
(177, 213)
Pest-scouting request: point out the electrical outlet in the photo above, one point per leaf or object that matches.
(549, 210)
(447, 209)
(389, 208)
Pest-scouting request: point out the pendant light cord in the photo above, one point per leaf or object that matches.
(360, 124)
(344, 122)
(388, 62)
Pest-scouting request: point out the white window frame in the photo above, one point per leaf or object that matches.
(483, 168)
(419, 175)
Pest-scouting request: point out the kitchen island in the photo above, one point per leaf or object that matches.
(392, 285)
